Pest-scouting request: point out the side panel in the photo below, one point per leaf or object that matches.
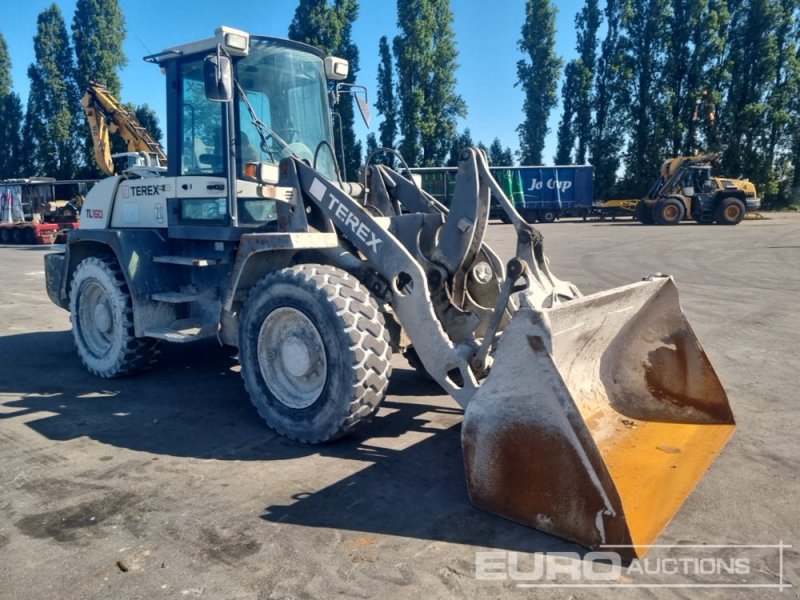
(96, 210)
(555, 187)
(142, 203)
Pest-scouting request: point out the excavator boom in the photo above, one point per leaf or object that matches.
(106, 115)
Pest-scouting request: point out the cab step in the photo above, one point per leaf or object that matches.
(189, 261)
(182, 331)
(184, 297)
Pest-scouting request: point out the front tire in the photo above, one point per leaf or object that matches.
(314, 351)
(101, 312)
(730, 211)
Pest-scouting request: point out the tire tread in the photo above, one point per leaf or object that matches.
(362, 323)
(138, 354)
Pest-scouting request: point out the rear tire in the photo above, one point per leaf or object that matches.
(101, 312)
(643, 213)
(730, 211)
(315, 352)
(5, 235)
(668, 211)
(17, 235)
(547, 216)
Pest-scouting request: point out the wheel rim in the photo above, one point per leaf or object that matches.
(670, 212)
(732, 212)
(292, 357)
(95, 318)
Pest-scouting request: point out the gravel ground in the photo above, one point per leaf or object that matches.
(168, 484)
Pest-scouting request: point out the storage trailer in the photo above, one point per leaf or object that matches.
(539, 193)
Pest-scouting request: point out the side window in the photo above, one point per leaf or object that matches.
(201, 124)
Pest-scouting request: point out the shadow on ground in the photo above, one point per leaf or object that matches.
(193, 404)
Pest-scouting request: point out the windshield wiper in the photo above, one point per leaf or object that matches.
(264, 131)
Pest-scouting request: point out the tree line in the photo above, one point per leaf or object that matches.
(51, 136)
(676, 77)
(650, 79)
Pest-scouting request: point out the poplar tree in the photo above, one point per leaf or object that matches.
(752, 63)
(587, 23)
(458, 143)
(98, 33)
(609, 100)
(499, 156)
(53, 112)
(328, 26)
(11, 163)
(566, 127)
(149, 120)
(537, 74)
(425, 54)
(5, 68)
(647, 33)
(387, 101)
(793, 194)
(781, 101)
(694, 78)
(372, 145)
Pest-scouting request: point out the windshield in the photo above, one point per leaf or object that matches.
(287, 92)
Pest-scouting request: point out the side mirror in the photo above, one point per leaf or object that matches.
(361, 100)
(218, 78)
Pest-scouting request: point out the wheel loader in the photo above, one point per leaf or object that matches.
(588, 417)
(685, 189)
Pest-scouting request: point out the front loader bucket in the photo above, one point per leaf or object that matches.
(597, 425)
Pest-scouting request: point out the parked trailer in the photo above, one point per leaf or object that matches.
(615, 208)
(539, 193)
(39, 210)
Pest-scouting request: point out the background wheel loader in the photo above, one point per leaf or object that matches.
(589, 417)
(685, 189)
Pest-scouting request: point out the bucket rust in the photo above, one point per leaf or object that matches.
(602, 441)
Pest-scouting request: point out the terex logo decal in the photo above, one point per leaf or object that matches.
(347, 219)
(93, 213)
(148, 190)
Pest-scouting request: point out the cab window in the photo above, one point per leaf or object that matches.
(202, 132)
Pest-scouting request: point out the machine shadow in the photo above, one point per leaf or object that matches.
(191, 404)
(418, 492)
(202, 411)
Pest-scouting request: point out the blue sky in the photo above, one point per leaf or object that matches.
(486, 34)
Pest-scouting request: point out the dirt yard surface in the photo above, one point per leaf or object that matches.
(168, 485)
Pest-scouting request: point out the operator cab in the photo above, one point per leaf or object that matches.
(236, 106)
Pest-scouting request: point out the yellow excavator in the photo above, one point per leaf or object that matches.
(107, 115)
